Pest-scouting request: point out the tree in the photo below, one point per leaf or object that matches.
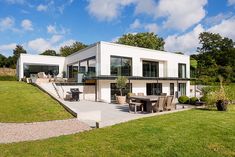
(18, 50)
(50, 53)
(68, 50)
(16, 54)
(216, 57)
(2, 60)
(145, 40)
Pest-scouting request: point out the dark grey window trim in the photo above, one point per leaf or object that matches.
(150, 62)
(185, 73)
(122, 57)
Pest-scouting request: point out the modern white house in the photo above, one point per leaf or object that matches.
(148, 71)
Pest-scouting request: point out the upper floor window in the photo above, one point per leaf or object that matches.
(182, 70)
(150, 69)
(121, 66)
(88, 66)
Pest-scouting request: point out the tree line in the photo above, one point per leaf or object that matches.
(215, 56)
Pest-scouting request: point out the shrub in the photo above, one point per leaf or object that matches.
(203, 98)
(193, 100)
(183, 99)
(8, 78)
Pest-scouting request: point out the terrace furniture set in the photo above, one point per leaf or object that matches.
(150, 103)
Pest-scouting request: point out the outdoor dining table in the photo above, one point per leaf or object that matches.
(149, 99)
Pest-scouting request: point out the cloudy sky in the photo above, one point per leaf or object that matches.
(48, 24)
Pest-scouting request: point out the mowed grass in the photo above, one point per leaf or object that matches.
(21, 102)
(194, 133)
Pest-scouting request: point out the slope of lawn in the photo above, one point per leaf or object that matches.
(21, 102)
(188, 133)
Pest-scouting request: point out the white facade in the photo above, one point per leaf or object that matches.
(102, 52)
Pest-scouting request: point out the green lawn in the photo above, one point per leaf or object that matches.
(21, 102)
(188, 133)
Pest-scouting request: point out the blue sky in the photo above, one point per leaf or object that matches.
(48, 24)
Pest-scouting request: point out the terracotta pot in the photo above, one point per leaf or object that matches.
(121, 99)
(221, 105)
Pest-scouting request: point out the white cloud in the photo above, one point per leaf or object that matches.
(41, 7)
(214, 20)
(189, 42)
(151, 27)
(53, 29)
(225, 28)
(136, 24)
(231, 2)
(107, 10)
(186, 43)
(56, 38)
(181, 14)
(6, 23)
(7, 47)
(39, 45)
(27, 25)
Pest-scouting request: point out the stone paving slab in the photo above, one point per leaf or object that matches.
(16, 132)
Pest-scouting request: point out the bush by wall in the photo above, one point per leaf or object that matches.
(8, 78)
(193, 100)
(183, 99)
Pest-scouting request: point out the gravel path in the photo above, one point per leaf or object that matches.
(16, 132)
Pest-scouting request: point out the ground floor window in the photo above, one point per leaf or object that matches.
(172, 89)
(72, 71)
(34, 69)
(154, 88)
(182, 88)
(115, 91)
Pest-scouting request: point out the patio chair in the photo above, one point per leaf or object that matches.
(135, 105)
(163, 94)
(169, 103)
(130, 95)
(140, 94)
(159, 105)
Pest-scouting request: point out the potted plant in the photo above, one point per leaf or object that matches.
(121, 85)
(222, 100)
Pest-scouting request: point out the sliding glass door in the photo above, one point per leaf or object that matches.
(153, 88)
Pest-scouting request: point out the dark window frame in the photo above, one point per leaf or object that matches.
(180, 74)
(88, 70)
(121, 57)
(172, 88)
(157, 68)
(153, 86)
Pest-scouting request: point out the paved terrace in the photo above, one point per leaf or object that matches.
(106, 114)
(110, 113)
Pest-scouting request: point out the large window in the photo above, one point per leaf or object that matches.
(153, 88)
(150, 69)
(88, 66)
(182, 70)
(172, 91)
(182, 88)
(121, 66)
(115, 91)
(47, 69)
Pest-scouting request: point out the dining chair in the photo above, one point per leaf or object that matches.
(163, 94)
(159, 105)
(169, 103)
(140, 94)
(135, 105)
